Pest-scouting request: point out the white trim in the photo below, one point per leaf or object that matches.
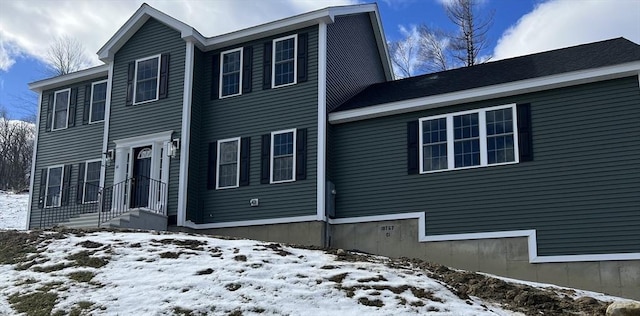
(185, 134)
(142, 140)
(283, 220)
(321, 171)
(489, 92)
(135, 80)
(33, 161)
(68, 79)
(93, 84)
(530, 234)
(228, 140)
(482, 137)
(271, 158)
(84, 179)
(221, 75)
(295, 61)
(46, 186)
(107, 122)
(53, 109)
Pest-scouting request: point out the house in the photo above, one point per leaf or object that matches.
(295, 131)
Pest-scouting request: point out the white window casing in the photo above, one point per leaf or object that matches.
(274, 60)
(220, 163)
(136, 79)
(273, 178)
(92, 104)
(50, 201)
(56, 109)
(239, 50)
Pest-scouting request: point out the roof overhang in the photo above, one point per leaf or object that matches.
(68, 79)
(488, 92)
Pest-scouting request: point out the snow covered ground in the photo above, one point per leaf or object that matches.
(13, 210)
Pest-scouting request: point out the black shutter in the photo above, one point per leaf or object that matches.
(525, 140)
(73, 102)
(87, 104)
(43, 187)
(130, 76)
(50, 112)
(301, 154)
(80, 186)
(211, 166)
(265, 159)
(215, 76)
(66, 185)
(164, 76)
(302, 57)
(245, 153)
(266, 67)
(247, 66)
(412, 147)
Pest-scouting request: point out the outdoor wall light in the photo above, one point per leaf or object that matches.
(109, 156)
(174, 146)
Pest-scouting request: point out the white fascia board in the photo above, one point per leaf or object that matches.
(106, 52)
(382, 43)
(530, 234)
(70, 78)
(283, 220)
(489, 92)
(326, 15)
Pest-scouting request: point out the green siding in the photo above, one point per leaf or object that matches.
(73, 145)
(252, 115)
(158, 116)
(581, 193)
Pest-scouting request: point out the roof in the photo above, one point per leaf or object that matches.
(561, 61)
(70, 78)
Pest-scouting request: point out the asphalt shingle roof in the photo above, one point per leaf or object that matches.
(587, 56)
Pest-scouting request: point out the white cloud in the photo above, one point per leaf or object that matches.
(28, 27)
(561, 23)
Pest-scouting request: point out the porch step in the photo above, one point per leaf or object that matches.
(138, 219)
(89, 220)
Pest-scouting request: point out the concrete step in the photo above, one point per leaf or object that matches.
(139, 219)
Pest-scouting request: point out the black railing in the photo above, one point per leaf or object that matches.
(134, 193)
(60, 205)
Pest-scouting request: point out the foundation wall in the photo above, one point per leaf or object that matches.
(507, 257)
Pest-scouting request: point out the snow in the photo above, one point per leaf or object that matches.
(248, 276)
(13, 210)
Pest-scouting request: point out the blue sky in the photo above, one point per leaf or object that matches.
(519, 27)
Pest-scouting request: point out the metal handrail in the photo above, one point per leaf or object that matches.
(69, 202)
(134, 193)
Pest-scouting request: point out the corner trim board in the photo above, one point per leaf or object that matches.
(33, 161)
(185, 133)
(530, 234)
(107, 121)
(321, 171)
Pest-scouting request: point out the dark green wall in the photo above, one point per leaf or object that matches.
(581, 193)
(252, 115)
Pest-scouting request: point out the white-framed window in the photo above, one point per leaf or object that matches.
(284, 65)
(147, 79)
(231, 73)
(61, 109)
(98, 101)
(53, 192)
(469, 139)
(91, 183)
(228, 166)
(283, 156)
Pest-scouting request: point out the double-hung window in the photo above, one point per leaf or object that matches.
(283, 156)
(469, 139)
(53, 193)
(61, 109)
(98, 101)
(228, 163)
(147, 79)
(91, 184)
(231, 74)
(284, 67)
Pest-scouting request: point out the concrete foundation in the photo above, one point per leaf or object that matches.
(506, 257)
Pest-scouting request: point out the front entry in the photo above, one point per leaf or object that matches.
(140, 177)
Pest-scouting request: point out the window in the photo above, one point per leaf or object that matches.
(284, 61)
(231, 74)
(469, 139)
(91, 184)
(61, 109)
(53, 193)
(283, 160)
(98, 101)
(228, 163)
(146, 79)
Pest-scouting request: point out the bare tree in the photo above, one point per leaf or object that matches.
(16, 151)
(433, 49)
(470, 39)
(66, 55)
(404, 53)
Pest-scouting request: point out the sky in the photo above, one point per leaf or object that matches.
(520, 27)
